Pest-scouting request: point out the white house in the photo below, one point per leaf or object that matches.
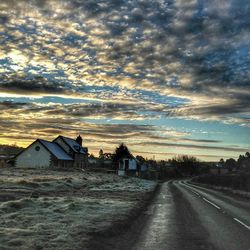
(127, 165)
(62, 152)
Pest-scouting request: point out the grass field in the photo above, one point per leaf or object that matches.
(42, 209)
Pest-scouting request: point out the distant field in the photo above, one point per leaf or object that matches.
(239, 181)
(42, 209)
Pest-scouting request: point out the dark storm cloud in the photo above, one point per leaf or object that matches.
(79, 111)
(3, 19)
(171, 154)
(176, 145)
(33, 86)
(200, 140)
(232, 107)
(7, 105)
(237, 107)
(50, 127)
(108, 110)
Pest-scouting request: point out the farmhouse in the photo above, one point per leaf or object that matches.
(61, 152)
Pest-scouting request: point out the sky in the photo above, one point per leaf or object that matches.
(166, 77)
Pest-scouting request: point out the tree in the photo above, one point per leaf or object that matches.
(121, 151)
(101, 154)
(230, 164)
(185, 165)
(240, 161)
(222, 161)
(140, 158)
(108, 156)
(91, 156)
(243, 162)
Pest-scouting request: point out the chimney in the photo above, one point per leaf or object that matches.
(79, 140)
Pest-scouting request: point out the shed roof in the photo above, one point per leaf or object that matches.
(56, 150)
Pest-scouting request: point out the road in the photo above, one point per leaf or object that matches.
(184, 216)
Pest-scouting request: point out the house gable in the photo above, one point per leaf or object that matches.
(35, 155)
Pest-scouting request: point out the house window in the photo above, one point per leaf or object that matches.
(37, 148)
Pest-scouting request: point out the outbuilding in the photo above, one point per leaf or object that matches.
(127, 166)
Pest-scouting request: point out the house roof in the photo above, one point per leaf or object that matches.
(56, 150)
(73, 144)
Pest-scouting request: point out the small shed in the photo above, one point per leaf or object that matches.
(127, 166)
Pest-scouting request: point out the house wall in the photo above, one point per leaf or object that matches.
(31, 158)
(132, 164)
(61, 163)
(121, 172)
(80, 160)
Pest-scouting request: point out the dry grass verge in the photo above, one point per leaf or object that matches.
(44, 209)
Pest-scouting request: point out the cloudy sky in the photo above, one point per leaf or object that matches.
(166, 77)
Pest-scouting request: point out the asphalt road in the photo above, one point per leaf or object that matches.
(184, 216)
